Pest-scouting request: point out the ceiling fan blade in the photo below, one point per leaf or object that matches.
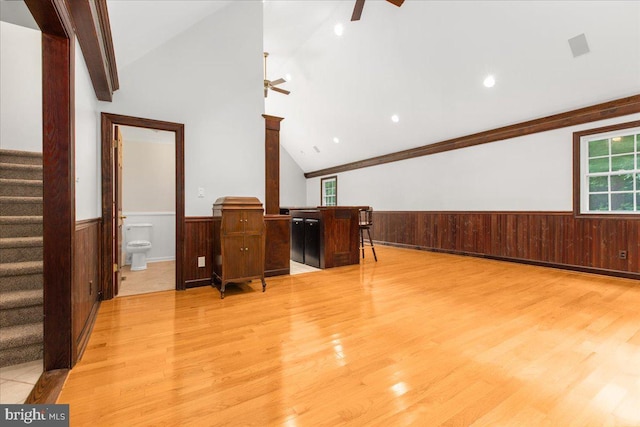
(396, 2)
(357, 10)
(277, 89)
(278, 82)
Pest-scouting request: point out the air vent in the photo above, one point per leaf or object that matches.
(579, 45)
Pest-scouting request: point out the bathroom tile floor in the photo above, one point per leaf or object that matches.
(159, 276)
(297, 268)
(17, 381)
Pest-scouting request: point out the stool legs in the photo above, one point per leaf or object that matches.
(373, 249)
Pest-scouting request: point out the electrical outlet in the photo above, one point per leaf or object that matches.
(201, 262)
(622, 254)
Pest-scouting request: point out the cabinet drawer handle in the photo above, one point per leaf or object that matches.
(242, 249)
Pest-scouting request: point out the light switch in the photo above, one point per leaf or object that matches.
(201, 261)
(200, 192)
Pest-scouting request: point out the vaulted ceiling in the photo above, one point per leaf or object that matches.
(424, 62)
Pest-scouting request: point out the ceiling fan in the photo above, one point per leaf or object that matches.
(357, 10)
(268, 84)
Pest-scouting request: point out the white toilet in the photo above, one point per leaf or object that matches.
(138, 244)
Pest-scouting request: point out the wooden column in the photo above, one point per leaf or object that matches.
(58, 146)
(272, 164)
(277, 226)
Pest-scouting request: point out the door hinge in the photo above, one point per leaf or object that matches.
(115, 268)
(115, 143)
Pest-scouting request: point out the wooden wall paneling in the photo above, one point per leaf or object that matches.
(278, 245)
(86, 284)
(198, 242)
(558, 239)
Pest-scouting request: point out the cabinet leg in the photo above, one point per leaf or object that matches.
(222, 291)
(264, 285)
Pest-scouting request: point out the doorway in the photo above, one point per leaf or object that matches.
(113, 217)
(147, 260)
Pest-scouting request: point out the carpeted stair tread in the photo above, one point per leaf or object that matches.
(20, 242)
(20, 187)
(20, 157)
(21, 282)
(20, 335)
(19, 268)
(20, 199)
(17, 170)
(8, 220)
(20, 226)
(17, 299)
(21, 181)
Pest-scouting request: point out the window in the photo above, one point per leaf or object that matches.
(329, 191)
(609, 170)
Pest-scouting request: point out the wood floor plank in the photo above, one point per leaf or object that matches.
(417, 338)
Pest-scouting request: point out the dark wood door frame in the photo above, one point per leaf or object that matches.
(108, 121)
(58, 158)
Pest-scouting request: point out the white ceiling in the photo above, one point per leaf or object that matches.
(424, 62)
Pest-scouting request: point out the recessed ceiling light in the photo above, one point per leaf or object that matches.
(287, 77)
(338, 29)
(395, 118)
(489, 81)
(336, 139)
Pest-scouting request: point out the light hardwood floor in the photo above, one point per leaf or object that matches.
(417, 338)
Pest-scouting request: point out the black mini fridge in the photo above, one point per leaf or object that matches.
(297, 240)
(312, 242)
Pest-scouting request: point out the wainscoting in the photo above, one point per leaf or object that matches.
(198, 233)
(557, 239)
(86, 284)
(197, 243)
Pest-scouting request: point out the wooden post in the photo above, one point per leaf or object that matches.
(272, 164)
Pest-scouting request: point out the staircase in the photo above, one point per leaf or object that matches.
(21, 290)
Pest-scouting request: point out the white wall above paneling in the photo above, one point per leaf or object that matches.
(528, 173)
(293, 189)
(208, 77)
(87, 148)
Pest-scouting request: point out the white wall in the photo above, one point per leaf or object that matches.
(293, 188)
(21, 88)
(148, 177)
(529, 173)
(210, 79)
(87, 154)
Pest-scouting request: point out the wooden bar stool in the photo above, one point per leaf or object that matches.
(365, 222)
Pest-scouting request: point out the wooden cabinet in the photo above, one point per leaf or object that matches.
(326, 237)
(238, 241)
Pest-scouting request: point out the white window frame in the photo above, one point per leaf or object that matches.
(324, 197)
(585, 174)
